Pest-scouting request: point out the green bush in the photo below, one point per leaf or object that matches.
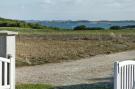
(17, 23)
(83, 27)
(115, 27)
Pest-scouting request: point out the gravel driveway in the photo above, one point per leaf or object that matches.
(85, 71)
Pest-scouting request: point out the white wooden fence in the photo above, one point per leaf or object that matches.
(5, 65)
(7, 60)
(124, 75)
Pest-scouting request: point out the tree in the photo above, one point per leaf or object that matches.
(115, 27)
(81, 27)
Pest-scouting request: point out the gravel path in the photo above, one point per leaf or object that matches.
(85, 71)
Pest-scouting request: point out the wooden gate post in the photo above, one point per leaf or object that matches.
(116, 76)
(7, 49)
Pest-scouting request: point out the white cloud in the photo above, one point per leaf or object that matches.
(70, 9)
(22, 7)
(88, 9)
(47, 1)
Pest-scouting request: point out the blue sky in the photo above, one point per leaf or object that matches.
(68, 9)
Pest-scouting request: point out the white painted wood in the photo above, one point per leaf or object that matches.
(7, 47)
(124, 75)
(116, 76)
(0, 73)
(5, 60)
(12, 75)
(5, 87)
(7, 33)
(11, 51)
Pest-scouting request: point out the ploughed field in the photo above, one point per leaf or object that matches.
(35, 48)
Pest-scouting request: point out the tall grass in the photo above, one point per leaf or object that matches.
(32, 51)
(40, 46)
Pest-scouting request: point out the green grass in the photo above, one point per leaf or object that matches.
(34, 86)
(89, 32)
(49, 31)
(44, 86)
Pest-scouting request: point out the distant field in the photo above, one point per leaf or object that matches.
(29, 31)
(40, 46)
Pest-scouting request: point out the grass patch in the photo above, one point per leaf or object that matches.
(39, 51)
(44, 86)
(49, 31)
(34, 86)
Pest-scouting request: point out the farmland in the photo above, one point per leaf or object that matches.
(36, 47)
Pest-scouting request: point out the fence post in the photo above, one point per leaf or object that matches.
(116, 76)
(7, 48)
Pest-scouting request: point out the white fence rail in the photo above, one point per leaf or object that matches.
(124, 75)
(5, 75)
(7, 64)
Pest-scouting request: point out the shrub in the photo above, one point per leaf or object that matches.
(115, 27)
(81, 27)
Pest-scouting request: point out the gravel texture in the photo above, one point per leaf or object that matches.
(85, 71)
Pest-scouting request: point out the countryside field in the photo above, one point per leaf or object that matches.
(67, 44)
(36, 47)
(34, 51)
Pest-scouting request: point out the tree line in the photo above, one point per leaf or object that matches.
(17, 23)
(83, 27)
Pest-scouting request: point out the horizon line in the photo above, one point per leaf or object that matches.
(66, 20)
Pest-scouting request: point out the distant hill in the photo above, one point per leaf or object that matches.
(61, 24)
(71, 24)
(17, 23)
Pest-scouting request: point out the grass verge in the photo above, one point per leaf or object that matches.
(49, 31)
(34, 86)
(44, 86)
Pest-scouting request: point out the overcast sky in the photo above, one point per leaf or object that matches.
(68, 9)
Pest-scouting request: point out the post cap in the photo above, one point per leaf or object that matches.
(4, 32)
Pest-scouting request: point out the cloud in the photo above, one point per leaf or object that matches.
(69, 9)
(87, 9)
(58, 2)
(47, 1)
